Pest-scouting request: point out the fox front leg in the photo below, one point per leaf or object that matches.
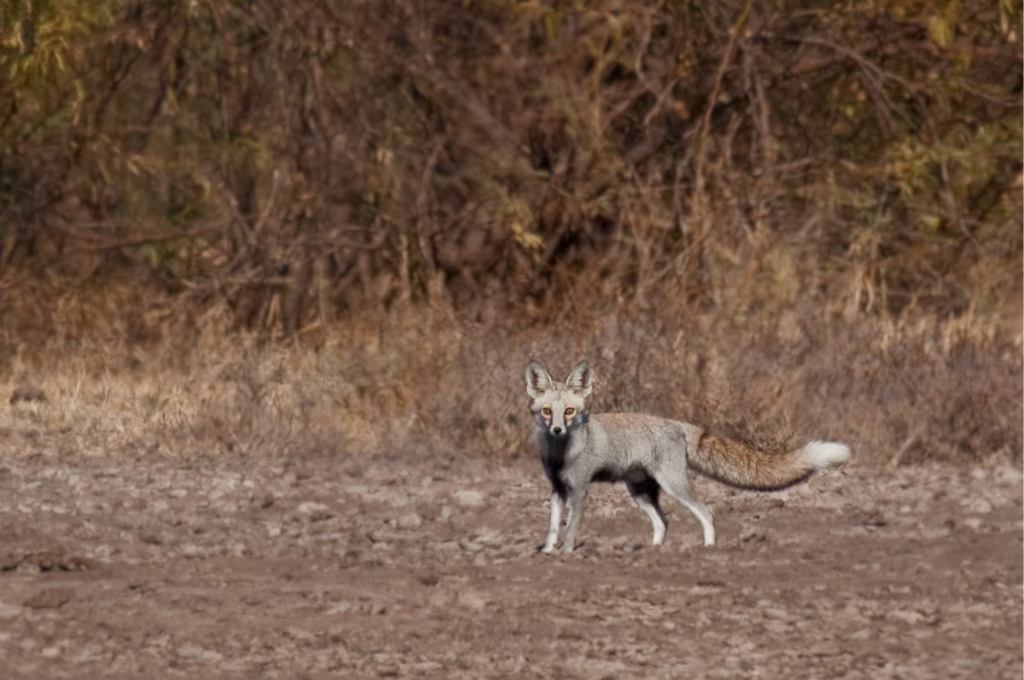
(572, 530)
(553, 523)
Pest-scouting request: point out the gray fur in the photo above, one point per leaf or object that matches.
(648, 453)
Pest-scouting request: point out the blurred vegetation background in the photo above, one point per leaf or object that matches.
(299, 160)
(722, 170)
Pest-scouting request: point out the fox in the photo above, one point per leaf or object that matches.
(648, 453)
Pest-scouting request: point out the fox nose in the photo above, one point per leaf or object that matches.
(556, 430)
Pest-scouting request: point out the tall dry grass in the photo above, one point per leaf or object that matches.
(429, 383)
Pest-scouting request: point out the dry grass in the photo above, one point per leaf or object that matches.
(427, 384)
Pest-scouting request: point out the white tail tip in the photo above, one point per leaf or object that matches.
(821, 455)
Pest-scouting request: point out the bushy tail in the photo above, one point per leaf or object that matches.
(740, 465)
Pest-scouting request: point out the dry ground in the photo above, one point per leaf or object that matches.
(330, 566)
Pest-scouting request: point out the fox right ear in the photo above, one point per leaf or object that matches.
(538, 380)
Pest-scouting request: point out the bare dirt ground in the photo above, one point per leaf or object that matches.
(341, 567)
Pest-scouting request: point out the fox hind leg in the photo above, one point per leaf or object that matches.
(676, 485)
(645, 494)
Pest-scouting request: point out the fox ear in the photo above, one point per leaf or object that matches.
(538, 380)
(581, 380)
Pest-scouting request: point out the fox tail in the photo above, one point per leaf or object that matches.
(742, 466)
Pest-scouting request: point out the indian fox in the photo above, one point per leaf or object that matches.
(648, 453)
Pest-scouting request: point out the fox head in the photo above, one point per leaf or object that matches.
(558, 408)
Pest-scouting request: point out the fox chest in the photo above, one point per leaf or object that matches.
(554, 461)
(567, 469)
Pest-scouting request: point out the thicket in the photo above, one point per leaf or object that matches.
(300, 161)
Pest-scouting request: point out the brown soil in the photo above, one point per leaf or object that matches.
(335, 567)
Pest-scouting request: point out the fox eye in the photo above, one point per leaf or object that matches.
(545, 411)
(570, 412)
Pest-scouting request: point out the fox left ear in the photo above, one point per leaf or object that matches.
(581, 380)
